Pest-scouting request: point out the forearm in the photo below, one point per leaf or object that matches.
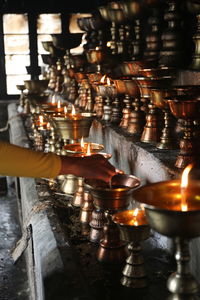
(22, 162)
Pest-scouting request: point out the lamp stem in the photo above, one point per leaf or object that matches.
(182, 284)
(134, 274)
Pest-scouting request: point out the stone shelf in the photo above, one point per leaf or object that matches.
(60, 259)
(133, 156)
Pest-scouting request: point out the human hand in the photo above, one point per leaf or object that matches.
(94, 166)
(98, 167)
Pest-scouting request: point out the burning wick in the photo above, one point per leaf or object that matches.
(135, 213)
(53, 99)
(58, 104)
(108, 81)
(65, 110)
(88, 153)
(184, 185)
(48, 126)
(108, 44)
(82, 143)
(41, 120)
(103, 79)
(73, 110)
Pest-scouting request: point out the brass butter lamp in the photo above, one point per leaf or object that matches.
(82, 197)
(72, 127)
(78, 150)
(36, 86)
(194, 7)
(111, 198)
(96, 56)
(75, 126)
(173, 209)
(187, 108)
(128, 88)
(134, 229)
(151, 131)
(167, 139)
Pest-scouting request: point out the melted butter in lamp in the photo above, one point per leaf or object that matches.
(134, 217)
(87, 152)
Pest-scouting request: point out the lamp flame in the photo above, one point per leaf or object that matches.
(135, 213)
(184, 177)
(58, 104)
(88, 153)
(108, 81)
(73, 110)
(103, 79)
(65, 109)
(41, 120)
(82, 142)
(108, 44)
(48, 126)
(53, 99)
(184, 185)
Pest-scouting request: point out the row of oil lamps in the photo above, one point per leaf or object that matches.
(138, 97)
(172, 208)
(141, 106)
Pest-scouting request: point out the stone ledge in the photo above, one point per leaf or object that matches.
(132, 156)
(50, 257)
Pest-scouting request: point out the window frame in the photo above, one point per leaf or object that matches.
(32, 26)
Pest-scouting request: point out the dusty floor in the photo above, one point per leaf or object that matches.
(13, 277)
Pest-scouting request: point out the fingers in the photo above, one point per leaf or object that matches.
(119, 171)
(100, 168)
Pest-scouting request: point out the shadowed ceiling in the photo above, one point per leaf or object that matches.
(50, 5)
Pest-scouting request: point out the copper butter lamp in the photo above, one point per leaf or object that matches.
(78, 150)
(187, 108)
(111, 198)
(173, 209)
(81, 148)
(82, 197)
(134, 229)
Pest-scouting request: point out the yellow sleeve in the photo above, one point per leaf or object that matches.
(23, 162)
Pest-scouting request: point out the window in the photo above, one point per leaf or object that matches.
(16, 45)
(47, 24)
(19, 31)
